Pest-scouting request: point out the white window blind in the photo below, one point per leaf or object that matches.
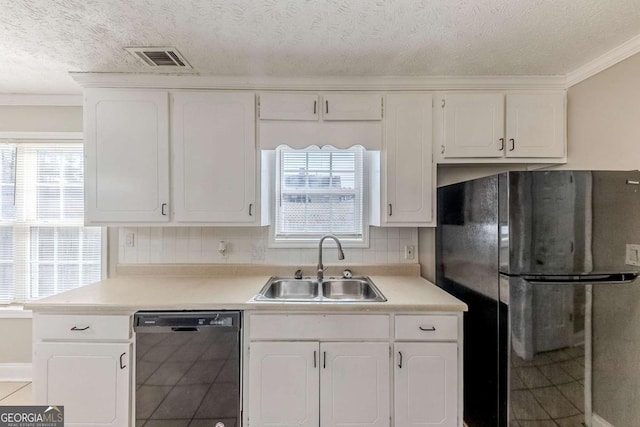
(44, 247)
(319, 191)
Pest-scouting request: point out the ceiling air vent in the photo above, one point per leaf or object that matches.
(159, 57)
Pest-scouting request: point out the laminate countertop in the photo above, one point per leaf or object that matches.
(233, 287)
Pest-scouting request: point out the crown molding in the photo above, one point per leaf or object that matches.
(173, 81)
(609, 59)
(19, 99)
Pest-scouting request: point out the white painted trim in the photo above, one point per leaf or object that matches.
(41, 100)
(42, 135)
(597, 421)
(13, 312)
(16, 372)
(172, 81)
(609, 59)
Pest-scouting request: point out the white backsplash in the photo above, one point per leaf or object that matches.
(249, 245)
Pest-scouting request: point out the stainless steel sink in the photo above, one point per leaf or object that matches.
(333, 289)
(289, 289)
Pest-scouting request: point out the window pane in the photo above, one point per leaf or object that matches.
(48, 201)
(68, 276)
(7, 181)
(319, 192)
(73, 203)
(6, 264)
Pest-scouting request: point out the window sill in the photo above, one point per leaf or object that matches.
(14, 312)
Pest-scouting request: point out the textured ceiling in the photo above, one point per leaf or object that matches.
(41, 40)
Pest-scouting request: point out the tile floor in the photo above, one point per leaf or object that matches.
(15, 393)
(548, 391)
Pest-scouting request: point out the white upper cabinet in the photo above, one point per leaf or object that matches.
(127, 166)
(517, 127)
(350, 106)
(126, 156)
(473, 125)
(535, 125)
(311, 106)
(408, 172)
(214, 157)
(290, 106)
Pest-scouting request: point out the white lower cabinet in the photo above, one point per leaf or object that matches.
(284, 388)
(84, 363)
(91, 381)
(426, 384)
(329, 384)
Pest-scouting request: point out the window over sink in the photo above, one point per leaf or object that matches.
(319, 191)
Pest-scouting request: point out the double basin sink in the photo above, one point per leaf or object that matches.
(331, 289)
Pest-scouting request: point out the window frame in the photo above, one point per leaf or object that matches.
(43, 138)
(270, 175)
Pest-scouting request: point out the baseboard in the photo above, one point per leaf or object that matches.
(15, 372)
(597, 421)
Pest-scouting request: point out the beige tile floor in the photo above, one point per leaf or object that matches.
(15, 393)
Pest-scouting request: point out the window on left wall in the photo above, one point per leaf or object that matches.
(44, 247)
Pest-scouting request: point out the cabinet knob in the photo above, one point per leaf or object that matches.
(501, 144)
(390, 209)
(513, 144)
(163, 210)
(122, 365)
(400, 361)
(428, 328)
(75, 328)
(250, 209)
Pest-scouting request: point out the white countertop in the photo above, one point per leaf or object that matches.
(231, 288)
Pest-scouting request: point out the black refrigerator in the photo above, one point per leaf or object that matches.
(524, 250)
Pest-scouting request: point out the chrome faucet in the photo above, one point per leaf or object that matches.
(340, 254)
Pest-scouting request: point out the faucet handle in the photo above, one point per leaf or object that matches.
(298, 274)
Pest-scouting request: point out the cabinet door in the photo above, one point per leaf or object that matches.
(535, 125)
(351, 106)
(473, 125)
(408, 155)
(426, 384)
(289, 106)
(92, 381)
(126, 156)
(354, 384)
(214, 166)
(284, 384)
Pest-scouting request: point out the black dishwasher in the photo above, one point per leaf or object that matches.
(187, 368)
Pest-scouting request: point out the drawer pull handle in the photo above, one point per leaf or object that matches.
(428, 329)
(315, 355)
(122, 365)
(324, 362)
(400, 362)
(75, 328)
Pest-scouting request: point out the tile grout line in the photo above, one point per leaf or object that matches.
(14, 392)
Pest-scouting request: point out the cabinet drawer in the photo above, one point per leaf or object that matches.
(427, 328)
(318, 326)
(80, 327)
